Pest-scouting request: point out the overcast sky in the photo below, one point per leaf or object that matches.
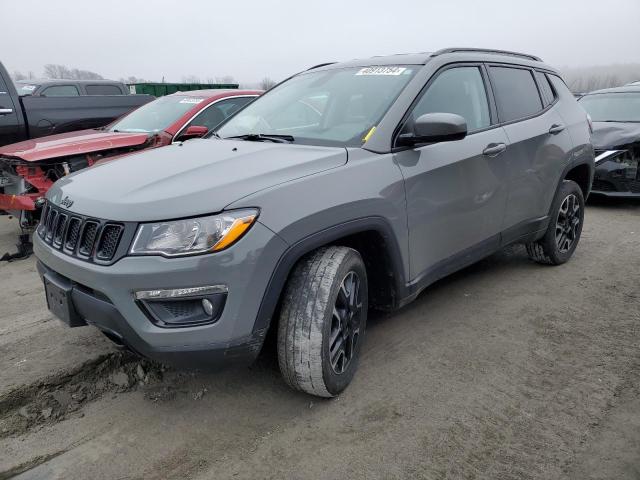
(251, 39)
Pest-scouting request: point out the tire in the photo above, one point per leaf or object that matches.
(309, 331)
(565, 227)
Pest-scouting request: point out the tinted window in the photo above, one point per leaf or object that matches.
(103, 90)
(60, 91)
(516, 93)
(548, 94)
(218, 112)
(460, 91)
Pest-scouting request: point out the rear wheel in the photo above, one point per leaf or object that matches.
(565, 227)
(322, 321)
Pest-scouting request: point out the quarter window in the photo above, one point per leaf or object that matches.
(60, 91)
(516, 93)
(457, 90)
(548, 94)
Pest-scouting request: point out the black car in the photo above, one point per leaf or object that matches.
(615, 113)
(60, 106)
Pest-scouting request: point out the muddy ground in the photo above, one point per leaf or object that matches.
(504, 370)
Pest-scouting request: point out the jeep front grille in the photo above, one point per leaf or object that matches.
(86, 238)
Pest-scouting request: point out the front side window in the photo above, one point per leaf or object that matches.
(612, 107)
(457, 90)
(61, 91)
(157, 115)
(516, 93)
(217, 113)
(335, 107)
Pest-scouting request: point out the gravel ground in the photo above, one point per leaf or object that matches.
(505, 370)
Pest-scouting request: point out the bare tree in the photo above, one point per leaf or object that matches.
(56, 71)
(133, 79)
(63, 72)
(225, 79)
(191, 79)
(17, 75)
(587, 79)
(267, 83)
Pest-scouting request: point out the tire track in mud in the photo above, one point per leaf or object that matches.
(57, 397)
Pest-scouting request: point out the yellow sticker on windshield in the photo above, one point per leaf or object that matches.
(368, 135)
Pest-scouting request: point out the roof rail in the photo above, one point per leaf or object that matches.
(486, 50)
(321, 65)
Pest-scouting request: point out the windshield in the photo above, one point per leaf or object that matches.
(25, 89)
(157, 115)
(613, 107)
(332, 107)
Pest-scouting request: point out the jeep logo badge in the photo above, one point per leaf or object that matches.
(66, 202)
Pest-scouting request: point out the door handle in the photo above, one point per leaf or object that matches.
(556, 128)
(494, 149)
(6, 111)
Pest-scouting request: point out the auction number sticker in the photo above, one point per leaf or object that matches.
(381, 71)
(193, 101)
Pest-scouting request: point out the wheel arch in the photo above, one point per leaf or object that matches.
(579, 171)
(582, 174)
(372, 237)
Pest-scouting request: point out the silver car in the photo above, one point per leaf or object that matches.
(348, 186)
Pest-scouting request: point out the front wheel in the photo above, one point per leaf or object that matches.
(565, 227)
(322, 321)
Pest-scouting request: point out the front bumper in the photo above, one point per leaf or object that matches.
(615, 179)
(103, 295)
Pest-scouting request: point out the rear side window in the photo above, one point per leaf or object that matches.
(548, 93)
(457, 90)
(60, 91)
(516, 93)
(103, 90)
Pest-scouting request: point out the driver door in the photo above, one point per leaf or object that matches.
(456, 191)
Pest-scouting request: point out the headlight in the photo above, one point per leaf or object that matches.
(192, 235)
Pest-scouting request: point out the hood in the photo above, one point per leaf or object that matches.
(611, 135)
(71, 143)
(193, 178)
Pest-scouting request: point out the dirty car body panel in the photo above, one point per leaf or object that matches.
(29, 168)
(433, 208)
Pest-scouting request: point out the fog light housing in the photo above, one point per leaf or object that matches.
(207, 306)
(183, 307)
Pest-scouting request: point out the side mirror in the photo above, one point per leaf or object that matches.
(435, 127)
(193, 131)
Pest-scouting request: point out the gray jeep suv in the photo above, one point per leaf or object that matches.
(346, 187)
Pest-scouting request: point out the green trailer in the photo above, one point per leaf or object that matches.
(161, 89)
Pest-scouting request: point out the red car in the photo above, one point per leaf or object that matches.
(29, 168)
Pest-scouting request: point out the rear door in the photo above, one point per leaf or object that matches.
(11, 127)
(456, 191)
(539, 143)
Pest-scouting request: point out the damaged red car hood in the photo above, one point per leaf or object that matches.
(72, 143)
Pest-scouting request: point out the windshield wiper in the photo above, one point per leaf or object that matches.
(261, 137)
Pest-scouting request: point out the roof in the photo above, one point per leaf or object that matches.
(216, 92)
(474, 54)
(624, 89)
(43, 81)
